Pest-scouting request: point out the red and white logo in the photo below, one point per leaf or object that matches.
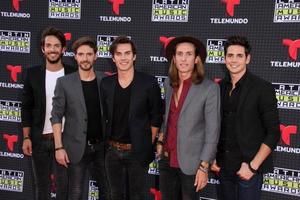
(165, 40)
(16, 5)
(14, 70)
(68, 36)
(116, 5)
(286, 132)
(293, 46)
(10, 141)
(230, 6)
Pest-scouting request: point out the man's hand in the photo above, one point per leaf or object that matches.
(62, 157)
(214, 167)
(200, 180)
(159, 150)
(27, 147)
(245, 173)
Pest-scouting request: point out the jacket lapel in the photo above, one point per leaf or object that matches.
(192, 91)
(42, 81)
(77, 87)
(244, 92)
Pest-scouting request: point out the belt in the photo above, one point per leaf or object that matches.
(93, 141)
(120, 146)
(48, 136)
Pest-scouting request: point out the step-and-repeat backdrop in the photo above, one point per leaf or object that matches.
(273, 28)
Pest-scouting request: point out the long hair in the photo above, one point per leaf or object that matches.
(197, 75)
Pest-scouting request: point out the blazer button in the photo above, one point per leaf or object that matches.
(84, 132)
(85, 119)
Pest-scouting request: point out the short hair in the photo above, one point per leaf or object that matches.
(52, 31)
(85, 40)
(121, 40)
(237, 40)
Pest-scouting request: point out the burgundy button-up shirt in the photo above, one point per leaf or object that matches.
(174, 112)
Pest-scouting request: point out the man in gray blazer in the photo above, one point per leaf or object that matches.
(77, 100)
(191, 125)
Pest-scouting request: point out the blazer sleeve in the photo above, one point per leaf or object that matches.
(269, 115)
(212, 123)
(58, 103)
(155, 104)
(27, 101)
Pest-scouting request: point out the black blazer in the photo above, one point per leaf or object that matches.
(145, 110)
(33, 109)
(257, 118)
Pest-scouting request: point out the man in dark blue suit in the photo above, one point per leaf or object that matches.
(249, 127)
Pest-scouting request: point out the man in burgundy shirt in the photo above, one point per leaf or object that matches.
(192, 120)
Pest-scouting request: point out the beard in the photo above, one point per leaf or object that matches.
(85, 68)
(54, 61)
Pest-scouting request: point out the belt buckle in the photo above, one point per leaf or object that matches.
(119, 147)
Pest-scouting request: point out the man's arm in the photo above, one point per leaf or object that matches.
(268, 114)
(26, 112)
(57, 113)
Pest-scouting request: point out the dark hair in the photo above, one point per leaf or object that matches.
(86, 40)
(121, 40)
(51, 31)
(238, 40)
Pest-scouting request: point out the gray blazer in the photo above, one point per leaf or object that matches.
(68, 102)
(198, 125)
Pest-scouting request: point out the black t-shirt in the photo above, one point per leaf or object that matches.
(92, 102)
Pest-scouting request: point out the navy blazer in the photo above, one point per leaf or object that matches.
(257, 118)
(145, 110)
(33, 109)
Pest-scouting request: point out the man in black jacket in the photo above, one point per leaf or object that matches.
(249, 127)
(133, 112)
(37, 96)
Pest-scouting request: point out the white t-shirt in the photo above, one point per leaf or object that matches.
(50, 82)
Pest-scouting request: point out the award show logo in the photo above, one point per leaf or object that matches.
(160, 81)
(287, 11)
(230, 8)
(292, 47)
(68, 37)
(64, 9)
(170, 10)
(283, 181)
(13, 72)
(10, 111)
(288, 95)
(15, 7)
(164, 41)
(11, 180)
(15, 41)
(288, 132)
(103, 44)
(8, 146)
(93, 190)
(116, 4)
(215, 50)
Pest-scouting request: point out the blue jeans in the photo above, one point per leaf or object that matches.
(43, 164)
(121, 165)
(174, 184)
(233, 188)
(94, 154)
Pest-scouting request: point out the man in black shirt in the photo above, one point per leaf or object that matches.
(249, 127)
(133, 114)
(77, 99)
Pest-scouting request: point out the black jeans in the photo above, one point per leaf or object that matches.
(94, 154)
(231, 187)
(43, 164)
(174, 184)
(120, 164)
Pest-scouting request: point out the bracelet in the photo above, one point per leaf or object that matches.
(251, 169)
(159, 142)
(26, 138)
(205, 170)
(59, 148)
